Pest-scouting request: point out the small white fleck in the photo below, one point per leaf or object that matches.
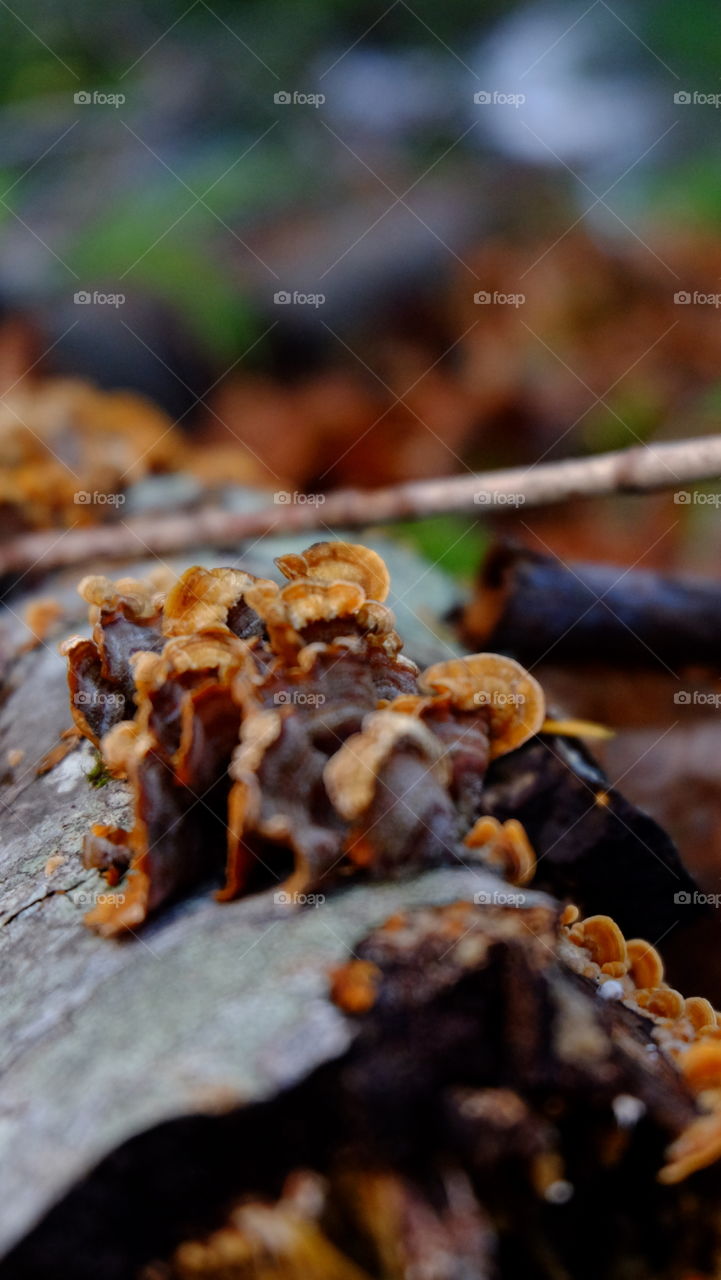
(558, 1192)
(612, 990)
(68, 772)
(628, 1110)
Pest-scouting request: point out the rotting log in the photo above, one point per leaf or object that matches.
(203, 1051)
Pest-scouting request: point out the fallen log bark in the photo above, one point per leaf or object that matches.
(539, 608)
(490, 1108)
(138, 1080)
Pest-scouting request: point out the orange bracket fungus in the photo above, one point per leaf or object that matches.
(688, 1031)
(275, 734)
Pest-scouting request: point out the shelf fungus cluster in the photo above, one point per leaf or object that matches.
(629, 974)
(69, 452)
(492, 1109)
(686, 1029)
(277, 732)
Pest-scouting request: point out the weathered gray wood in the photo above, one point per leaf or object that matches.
(209, 1006)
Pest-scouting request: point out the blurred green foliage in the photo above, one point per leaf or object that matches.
(150, 49)
(454, 543)
(199, 81)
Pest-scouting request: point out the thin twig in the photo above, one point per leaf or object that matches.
(638, 470)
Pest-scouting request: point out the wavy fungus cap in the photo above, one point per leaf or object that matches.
(288, 610)
(306, 601)
(202, 598)
(120, 745)
(139, 596)
(513, 699)
(351, 774)
(340, 562)
(508, 847)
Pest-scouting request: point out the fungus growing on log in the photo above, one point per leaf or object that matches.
(275, 735)
(506, 848)
(340, 562)
(513, 700)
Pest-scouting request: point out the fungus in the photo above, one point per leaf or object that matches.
(354, 986)
(278, 732)
(644, 962)
(204, 598)
(688, 1030)
(506, 848)
(602, 938)
(663, 1001)
(41, 618)
(131, 594)
(340, 561)
(697, 1147)
(351, 775)
(68, 450)
(512, 699)
(701, 1014)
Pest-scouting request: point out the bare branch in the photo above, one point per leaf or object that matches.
(638, 470)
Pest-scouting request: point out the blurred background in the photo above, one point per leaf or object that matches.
(351, 244)
(365, 243)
